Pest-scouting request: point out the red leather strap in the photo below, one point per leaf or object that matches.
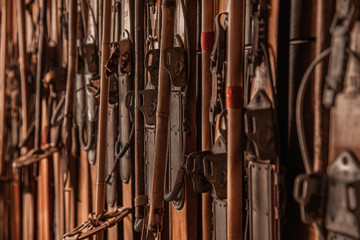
(234, 97)
(207, 40)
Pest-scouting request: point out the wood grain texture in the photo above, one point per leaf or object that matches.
(324, 15)
(325, 11)
(127, 201)
(207, 25)
(44, 194)
(84, 189)
(103, 110)
(235, 70)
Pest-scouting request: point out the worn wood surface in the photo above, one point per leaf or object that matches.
(207, 26)
(184, 226)
(234, 81)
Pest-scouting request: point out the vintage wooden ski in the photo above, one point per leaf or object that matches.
(207, 41)
(140, 199)
(125, 137)
(162, 121)
(104, 99)
(235, 57)
(181, 138)
(112, 179)
(262, 152)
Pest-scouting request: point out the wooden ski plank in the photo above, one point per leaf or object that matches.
(44, 199)
(207, 22)
(59, 228)
(127, 200)
(127, 24)
(234, 84)
(84, 189)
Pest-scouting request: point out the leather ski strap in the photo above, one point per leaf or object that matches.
(97, 223)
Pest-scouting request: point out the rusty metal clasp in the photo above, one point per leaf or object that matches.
(175, 62)
(347, 12)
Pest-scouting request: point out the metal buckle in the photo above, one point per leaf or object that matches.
(91, 57)
(153, 65)
(343, 209)
(347, 12)
(195, 169)
(148, 105)
(175, 63)
(309, 192)
(260, 127)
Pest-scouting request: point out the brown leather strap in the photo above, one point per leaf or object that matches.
(97, 223)
(141, 200)
(34, 156)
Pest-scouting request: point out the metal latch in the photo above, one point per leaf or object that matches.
(152, 60)
(218, 54)
(195, 169)
(174, 62)
(309, 192)
(217, 67)
(258, 34)
(148, 105)
(91, 57)
(208, 170)
(333, 199)
(124, 47)
(215, 171)
(130, 104)
(215, 168)
(260, 127)
(343, 209)
(347, 12)
(121, 57)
